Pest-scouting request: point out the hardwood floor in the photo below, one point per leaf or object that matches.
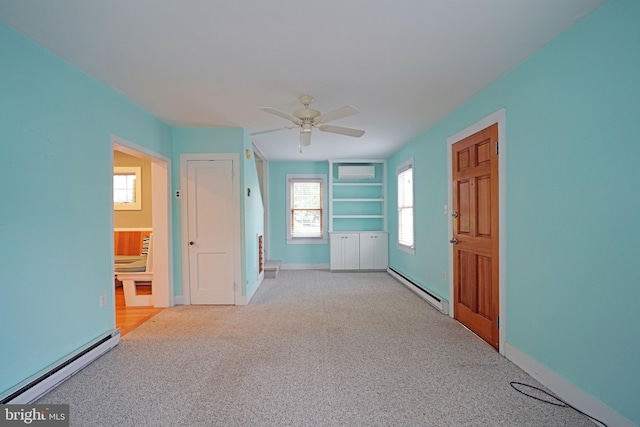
(129, 318)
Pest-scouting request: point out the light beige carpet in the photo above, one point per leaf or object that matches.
(312, 349)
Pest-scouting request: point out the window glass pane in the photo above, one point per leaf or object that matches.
(124, 188)
(405, 207)
(307, 195)
(306, 209)
(307, 222)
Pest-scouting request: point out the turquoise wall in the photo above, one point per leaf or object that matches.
(278, 247)
(56, 231)
(572, 282)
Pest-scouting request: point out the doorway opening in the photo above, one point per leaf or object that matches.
(154, 217)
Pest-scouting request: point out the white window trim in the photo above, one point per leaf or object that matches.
(409, 164)
(325, 224)
(129, 170)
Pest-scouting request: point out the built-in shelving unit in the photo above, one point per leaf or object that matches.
(357, 204)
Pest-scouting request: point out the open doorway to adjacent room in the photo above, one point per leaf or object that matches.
(131, 225)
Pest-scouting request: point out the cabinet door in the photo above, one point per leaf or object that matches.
(351, 251)
(367, 251)
(336, 241)
(381, 259)
(374, 251)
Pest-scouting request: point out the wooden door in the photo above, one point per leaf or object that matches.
(475, 233)
(210, 224)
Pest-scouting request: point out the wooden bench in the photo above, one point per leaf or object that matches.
(132, 277)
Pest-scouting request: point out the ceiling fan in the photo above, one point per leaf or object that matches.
(308, 118)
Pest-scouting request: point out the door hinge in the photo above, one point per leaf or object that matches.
(498, 319)
(497, 147)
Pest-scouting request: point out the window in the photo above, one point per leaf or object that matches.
(127, 188)
(404, 173)
(306, 216)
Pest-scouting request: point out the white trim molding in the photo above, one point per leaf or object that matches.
(323, 239)
(49, 378)
(305, 266)
(565, 389)
(185, 298)
(499, 118)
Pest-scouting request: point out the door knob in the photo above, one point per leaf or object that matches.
(454, 241)
(454, 214)
(191, 243)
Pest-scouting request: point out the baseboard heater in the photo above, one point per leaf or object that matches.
(48, 379)
(438, 303)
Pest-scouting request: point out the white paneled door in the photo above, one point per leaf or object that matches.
(211, 224)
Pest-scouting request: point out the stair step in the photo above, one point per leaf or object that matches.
(271, 268)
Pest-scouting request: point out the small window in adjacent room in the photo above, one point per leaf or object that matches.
(404, 173)
(306, 216)
(127, 188)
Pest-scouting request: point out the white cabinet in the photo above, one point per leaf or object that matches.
(365, 250)
(374, 250)
(345, 251)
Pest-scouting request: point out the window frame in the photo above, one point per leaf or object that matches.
(322, 179)
(129, 170)
(401, 168)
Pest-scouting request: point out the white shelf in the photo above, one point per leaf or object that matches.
(372, 195)
(358, 200)
(358, 216)
(360, 184)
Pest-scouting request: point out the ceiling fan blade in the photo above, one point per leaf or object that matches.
(270, 130)
(340, 113)
(342, 131)
(280, 114)
(305, 139)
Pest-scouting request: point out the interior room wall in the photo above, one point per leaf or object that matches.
(141, 218)
(572, 252)
(56, 162)
(278, 247)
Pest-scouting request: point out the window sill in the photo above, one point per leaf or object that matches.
(408, 249)
(307, 241)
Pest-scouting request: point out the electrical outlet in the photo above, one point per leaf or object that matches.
(103, 300)
(446, 209)
(444, 275)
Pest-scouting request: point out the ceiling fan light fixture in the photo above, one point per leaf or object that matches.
(306, 127)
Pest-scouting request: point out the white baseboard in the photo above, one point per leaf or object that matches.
(35, 387)
(566, 390)
(304, 266)
(442, 305)
(178, 300)
(255, 287)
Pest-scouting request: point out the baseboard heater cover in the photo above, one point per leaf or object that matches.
(438, 303)
(56, 374)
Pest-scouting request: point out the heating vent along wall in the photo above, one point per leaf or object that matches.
(432, 299)
(356, 172)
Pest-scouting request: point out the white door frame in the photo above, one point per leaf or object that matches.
(499, 118)
(265, 200)
(160, 218)
(184, 222)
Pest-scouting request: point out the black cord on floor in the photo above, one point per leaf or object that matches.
(561, 404)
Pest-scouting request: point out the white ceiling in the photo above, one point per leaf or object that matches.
(210, 63)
